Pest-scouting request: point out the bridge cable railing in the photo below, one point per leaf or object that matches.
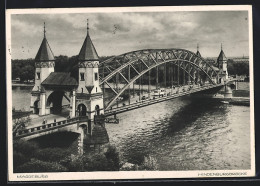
(49, 126)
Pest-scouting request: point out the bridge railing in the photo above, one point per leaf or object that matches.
(48, 126)
(158, 99)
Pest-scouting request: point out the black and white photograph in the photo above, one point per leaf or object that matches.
(130, 93)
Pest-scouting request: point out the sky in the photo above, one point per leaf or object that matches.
(118, 33)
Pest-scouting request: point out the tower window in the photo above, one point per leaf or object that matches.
(82, 78)
(38, 74)
(96, 76)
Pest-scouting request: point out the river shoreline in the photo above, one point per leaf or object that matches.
(241, 101)
(22, 85)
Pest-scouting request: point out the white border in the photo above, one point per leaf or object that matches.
(126, 174)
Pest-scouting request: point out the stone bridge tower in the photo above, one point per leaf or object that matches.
(44, 65)
(222, 65)
(89, 96)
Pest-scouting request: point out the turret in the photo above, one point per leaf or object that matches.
(44, 65)
(222, 63)
(89, 97)
(198, 53)
(44, 62)
(88, 67)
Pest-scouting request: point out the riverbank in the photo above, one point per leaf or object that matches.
(22, 85)
(240, 93)
(241, 101)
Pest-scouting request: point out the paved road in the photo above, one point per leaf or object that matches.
(38, 120)
(136, 98)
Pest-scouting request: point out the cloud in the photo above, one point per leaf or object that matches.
(116, 33)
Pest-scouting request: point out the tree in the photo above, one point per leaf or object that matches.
(25, 147)
(238, 68)
(51, 154)
(112, 156)
(19, 66)
(23, 152)
(16, 71)
(61, 62)
(41, 166)
(19, 159)
(27, 73)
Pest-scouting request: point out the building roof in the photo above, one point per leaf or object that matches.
(60, 79)
(88, 51)
(221, 56)
(198, 53)
(44, 53)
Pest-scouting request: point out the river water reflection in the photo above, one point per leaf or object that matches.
(186, 134)
(182, 134)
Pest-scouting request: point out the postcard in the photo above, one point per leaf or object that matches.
(130, 93)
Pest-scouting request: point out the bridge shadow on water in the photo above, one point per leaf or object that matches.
(168, 127)
(197, 107)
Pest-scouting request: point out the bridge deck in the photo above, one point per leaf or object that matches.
(47, 127)
(150, 101)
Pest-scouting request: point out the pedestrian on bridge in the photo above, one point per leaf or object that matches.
(44, 121)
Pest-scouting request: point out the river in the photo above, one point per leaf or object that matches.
(181, 134)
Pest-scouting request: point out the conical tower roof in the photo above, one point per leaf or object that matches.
(198, 52)
(88, 51)
(44, 53)
(222, 56)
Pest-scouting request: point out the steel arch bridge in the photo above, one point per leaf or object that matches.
(130, 67)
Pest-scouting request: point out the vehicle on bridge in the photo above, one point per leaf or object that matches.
(120, 98)
(159, 92)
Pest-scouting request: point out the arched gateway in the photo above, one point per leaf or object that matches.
(78, 85)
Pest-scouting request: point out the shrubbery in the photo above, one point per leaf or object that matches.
(35, 165)
(28, 157)
(51, 154)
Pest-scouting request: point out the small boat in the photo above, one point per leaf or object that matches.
(225, 102)
(218, 96)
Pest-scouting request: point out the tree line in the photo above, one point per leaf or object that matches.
(237, 68)
(24, 68)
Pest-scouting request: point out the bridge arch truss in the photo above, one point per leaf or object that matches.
(131, 67)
